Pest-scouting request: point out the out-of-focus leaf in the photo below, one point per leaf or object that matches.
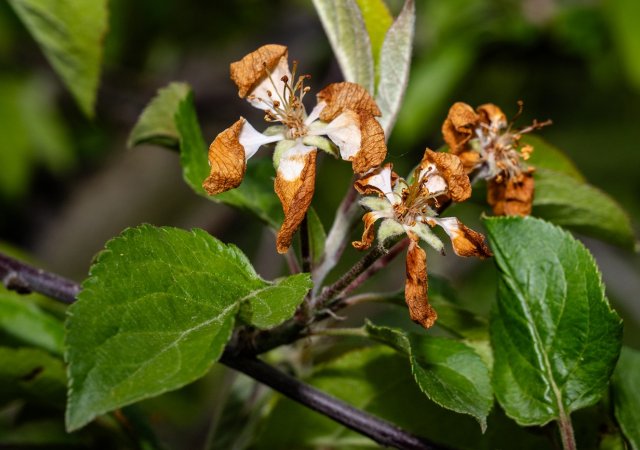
(170, 120)
(345, 27)
(33, 375)
(565, 201)
(70, 33)
(378, 380)
(317, 235)
(546, 156)
(623, 15)
(156, 124)
(22, 319)
(44, 433)
(432, 81)
(626, 395)
(32, 133)
(154, 314)
(395, 63)
(272, 305)
(449, 372)
(555, 338)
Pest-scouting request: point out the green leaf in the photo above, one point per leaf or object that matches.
(377, 20)
(33, 375)
(546, 156)
(449, 372)
(22, 319)
(154, 314)
(272, 305)
(378, 380)
(563, 200)
(626, 395)
(156, 124)
(555, 338)
(317, 235)
(395, 63)
(622, 15)
(70, 33)
(345, 27)
(170, 120)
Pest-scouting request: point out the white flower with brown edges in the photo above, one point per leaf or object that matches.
(345, 114)
(412, 209)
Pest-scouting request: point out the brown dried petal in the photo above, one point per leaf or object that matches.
(374, 183)
(512, 197)
(415, 288)
(250, 70)
(453, 172)
(492, 115)
(368, 235)
(470, 160)
(295, 196)
(467, 242)
(373, 149)
(346, 95)
(458, 127)
(227, 161)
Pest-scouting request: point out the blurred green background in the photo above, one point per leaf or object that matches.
(68, 184)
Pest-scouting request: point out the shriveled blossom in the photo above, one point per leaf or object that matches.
(484, 141)
(345, 113)
(412, 209)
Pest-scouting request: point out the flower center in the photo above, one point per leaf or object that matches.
(285, 105)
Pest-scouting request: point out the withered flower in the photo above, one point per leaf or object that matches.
(484, 141)
(345, 114)
(412, 209)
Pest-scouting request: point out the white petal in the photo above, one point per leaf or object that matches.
(251, 139)
(344, 131)
(449, 224)
(315, 113)
(292, 161)
(436, 184)
(382, 181)
(259, 97)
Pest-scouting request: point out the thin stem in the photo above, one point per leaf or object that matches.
(24, 279)
(305, 248)
(373, 297)
(566, 432)
(380, 431)
(342, 332)
(373, 427)
(337, 238)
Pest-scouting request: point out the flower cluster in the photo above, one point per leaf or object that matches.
(345, 113)
(484, 141)
(412, 208)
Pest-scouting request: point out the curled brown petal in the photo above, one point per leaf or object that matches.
(373, 149)
(377, 182)
(295, 196)
(415, 288)
(458, 127)
(511, 197)
(492, 115)
(467, 242)
(368, 234)
(227, 161)
(250, 70)
(453, 172)
(345, 95)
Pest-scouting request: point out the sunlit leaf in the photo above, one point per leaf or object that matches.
(154, 314)
(345, 27)
(565, 201)
(449, 372)
(377, 20)
(555, 338)
(71, 34)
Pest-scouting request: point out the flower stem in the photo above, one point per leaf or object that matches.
(566, 432)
